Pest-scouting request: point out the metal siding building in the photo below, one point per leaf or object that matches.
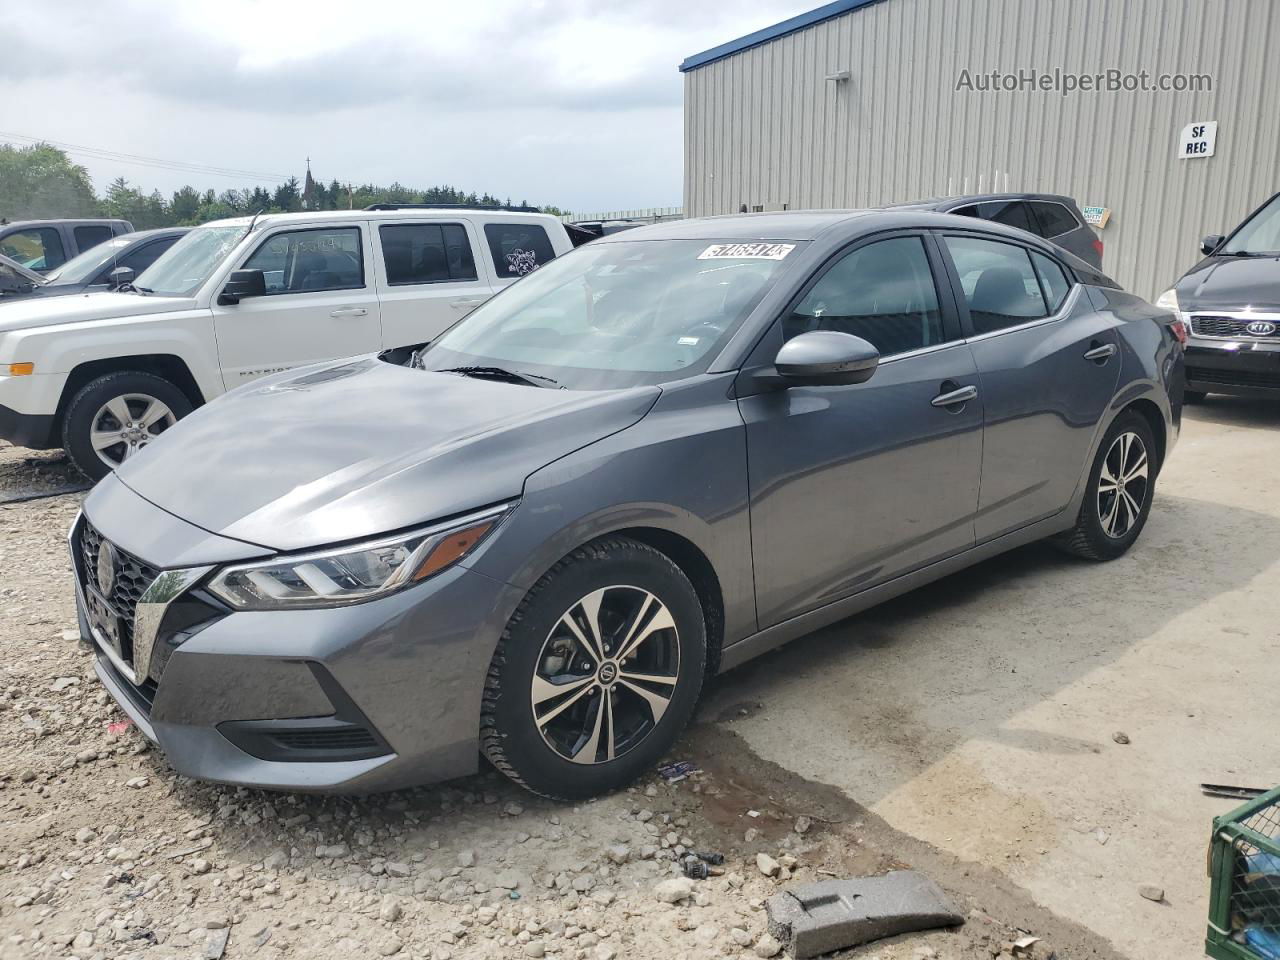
(764, 126)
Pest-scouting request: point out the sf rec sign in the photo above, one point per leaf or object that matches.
(1198, 139)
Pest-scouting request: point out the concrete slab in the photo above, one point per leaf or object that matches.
(819, 918)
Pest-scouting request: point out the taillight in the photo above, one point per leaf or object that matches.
(1097, 246)
(1180, 330)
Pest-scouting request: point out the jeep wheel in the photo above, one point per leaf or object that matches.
(113, 417)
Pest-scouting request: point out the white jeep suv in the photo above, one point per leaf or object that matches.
(105, 373)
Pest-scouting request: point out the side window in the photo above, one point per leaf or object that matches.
(39, 248)
(517, 248)
(307, 261)
(88, 237)
(1053, 279)
(969, 211)
(1012, 213)
(999, 285)
(883, 292)
(1054, 219)
(426, 253)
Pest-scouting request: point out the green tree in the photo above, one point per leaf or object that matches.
(41, 181)
(288, 196)
(129, 203)
(184, 205)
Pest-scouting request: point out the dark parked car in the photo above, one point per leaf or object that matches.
(648, 461)
(45, 245)
(1057, 219)
(104, 267)
(1231, 302)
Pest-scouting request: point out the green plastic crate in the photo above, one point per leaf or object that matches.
(1244, 890)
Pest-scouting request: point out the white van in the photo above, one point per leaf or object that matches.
(103, 374)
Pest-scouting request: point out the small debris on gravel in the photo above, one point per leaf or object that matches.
(1151, 891)
(1120, 737)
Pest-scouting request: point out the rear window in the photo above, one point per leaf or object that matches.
(89, 237)
(1054, 218)
(426, 253)
(517, 248)
(1012, 213)
(1053, 279)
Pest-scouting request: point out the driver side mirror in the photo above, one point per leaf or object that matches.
(1211, 243)
(826, 358)
(241, 284)
(118, 277)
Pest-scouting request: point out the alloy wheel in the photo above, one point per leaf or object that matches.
(606, 674)
(1123, 485)
(127, 423)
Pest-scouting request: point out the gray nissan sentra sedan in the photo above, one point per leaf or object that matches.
(656, 457)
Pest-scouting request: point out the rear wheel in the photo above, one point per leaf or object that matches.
(597, 672)
(1118, 498)
(113, 417)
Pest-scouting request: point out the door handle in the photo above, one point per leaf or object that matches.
(954, 397)
(349, 312)
(465, 302)
(1099, 353)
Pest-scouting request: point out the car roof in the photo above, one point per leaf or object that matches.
(69, 220)
(403, 213)
(950, 203)
(155, 232)
(781, 225)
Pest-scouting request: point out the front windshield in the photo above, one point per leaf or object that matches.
(1260, 236)
(183, 268)
(620, 314)
(86, 266)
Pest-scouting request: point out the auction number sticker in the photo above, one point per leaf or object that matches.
(746, 251)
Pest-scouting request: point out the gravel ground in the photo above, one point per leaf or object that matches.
(106, 853)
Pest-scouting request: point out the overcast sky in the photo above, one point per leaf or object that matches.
(552, 101)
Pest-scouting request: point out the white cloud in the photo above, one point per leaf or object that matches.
(556, 101)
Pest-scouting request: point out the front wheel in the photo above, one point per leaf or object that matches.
(113, 417)
(1117, 500)
(597, 673)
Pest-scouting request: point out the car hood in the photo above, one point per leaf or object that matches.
(1231, 283)
(361, 448)
(46, 311)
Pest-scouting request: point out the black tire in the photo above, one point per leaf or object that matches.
(509, 735)
(77, 423)
(1193, 396)
(1089, 538)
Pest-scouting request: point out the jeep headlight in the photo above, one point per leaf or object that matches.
(352, 573)
(1169, 301)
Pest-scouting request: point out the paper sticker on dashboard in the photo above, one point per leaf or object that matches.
(746, 251)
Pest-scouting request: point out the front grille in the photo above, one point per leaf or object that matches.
(1239, 378)
(1226, 327)
(133, 576)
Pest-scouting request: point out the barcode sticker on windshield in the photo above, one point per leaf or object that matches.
(746, 251)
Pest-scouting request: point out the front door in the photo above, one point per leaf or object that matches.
(1048, 365)
(321, 304)
(855, 485)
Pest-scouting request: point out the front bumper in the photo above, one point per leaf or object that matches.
(1238, 367)
(376, 696)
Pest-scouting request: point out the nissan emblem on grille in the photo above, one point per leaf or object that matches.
(1262, 328)
(106, 567)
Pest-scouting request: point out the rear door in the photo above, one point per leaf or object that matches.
(855, 485)
(321, 302)
(1048, 365)
(427, 277)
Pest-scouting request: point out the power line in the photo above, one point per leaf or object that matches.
(182, 166)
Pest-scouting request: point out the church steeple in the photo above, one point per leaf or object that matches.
(308, 190)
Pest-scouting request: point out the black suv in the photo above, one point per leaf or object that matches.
(1231, 303)
(1056, 218)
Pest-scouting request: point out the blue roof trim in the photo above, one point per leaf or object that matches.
(825, 12)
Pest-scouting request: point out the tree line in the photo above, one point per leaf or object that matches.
(40, 181)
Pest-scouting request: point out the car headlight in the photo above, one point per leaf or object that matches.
(353, 573)
(1169, 301)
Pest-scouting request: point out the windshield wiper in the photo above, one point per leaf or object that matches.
(500, 373)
